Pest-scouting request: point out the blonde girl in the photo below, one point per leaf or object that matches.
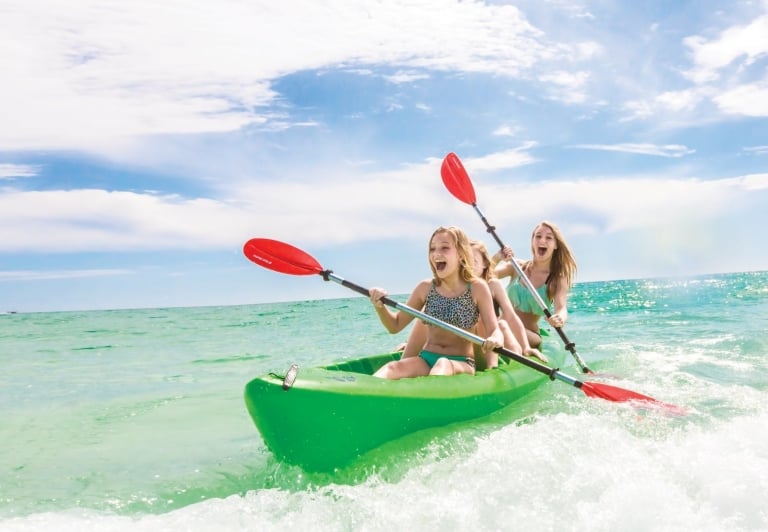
(454, 295)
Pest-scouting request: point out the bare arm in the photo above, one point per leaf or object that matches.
(482, 296)
(560, 316)
(505, 268)
(509, 314)
(395, 321)
(514, 322)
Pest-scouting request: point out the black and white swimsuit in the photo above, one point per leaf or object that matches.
(459, 311)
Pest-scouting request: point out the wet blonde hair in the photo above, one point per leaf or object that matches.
(563, 265)
(488, 272)
(461, 240)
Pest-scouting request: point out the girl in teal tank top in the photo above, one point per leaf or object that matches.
(551, 272)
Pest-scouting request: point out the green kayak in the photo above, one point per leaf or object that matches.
(323, 418)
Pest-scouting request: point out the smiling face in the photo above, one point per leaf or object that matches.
(543, 242)
(443, 255)
(450, 254)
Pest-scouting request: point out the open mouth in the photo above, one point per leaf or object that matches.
(440, 265)
(541, 251)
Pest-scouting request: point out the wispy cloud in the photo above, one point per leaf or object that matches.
(756, 150)
(503, 160)
(667, 150)
(12, 171)
(37, 275)
(406, 76)
(507, 130)
(724, 71)
(566, 86)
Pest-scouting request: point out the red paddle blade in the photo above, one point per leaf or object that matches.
(616, 394)
(280, 257)
(456, 179)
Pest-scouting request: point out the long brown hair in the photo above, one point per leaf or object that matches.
(461, 240)
(562, 268)
(488, 272)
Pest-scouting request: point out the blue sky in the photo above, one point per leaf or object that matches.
(144, 142)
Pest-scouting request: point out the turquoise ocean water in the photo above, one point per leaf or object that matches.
(134, 420)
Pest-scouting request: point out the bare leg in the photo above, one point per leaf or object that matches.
(526, 328)
(445, 366)
(400, 369)
(510, 342)
(521, 338)
(534, 340)
(519, 331)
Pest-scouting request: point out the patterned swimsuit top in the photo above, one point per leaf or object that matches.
(459, 311)
(523, 300)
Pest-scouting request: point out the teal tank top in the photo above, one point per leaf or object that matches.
(522, 299)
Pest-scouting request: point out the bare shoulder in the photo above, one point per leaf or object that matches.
(495, 284)
(419, 294)
(423, 287)
(479, 286)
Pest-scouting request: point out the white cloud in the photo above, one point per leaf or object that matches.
(618, 204)
(746, 100)
(79, 75)
(88, 220)
(502, 160)
(711, 56)
(570, 80)
(723, 68)
(507, 130)
(667, 150)
(12, 171)
(321, 211)
(753, 181)
(683, 100)
(638, 109)
(566, 86)
(756, 150)
(406, 77)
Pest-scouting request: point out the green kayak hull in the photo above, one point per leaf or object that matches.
(332, 415)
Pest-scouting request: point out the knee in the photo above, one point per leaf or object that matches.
(533, 338)
(385, 371)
